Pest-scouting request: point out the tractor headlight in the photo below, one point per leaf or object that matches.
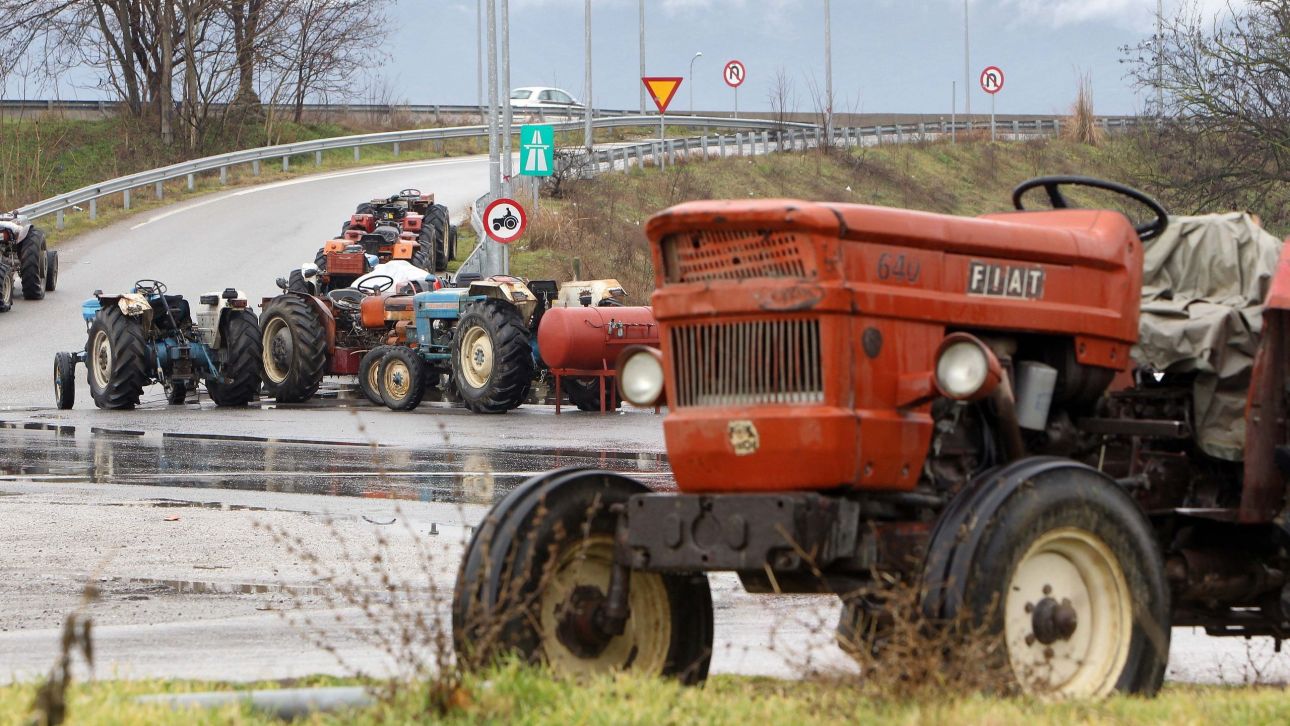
(966, 369)
(640, 375)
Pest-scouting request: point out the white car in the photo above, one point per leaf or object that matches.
(532, 99)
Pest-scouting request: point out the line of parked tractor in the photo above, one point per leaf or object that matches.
(376, 303)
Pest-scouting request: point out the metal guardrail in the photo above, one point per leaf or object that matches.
(798, 137)
(221, 162)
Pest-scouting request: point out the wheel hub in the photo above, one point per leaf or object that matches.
(1053, 621)
(578, 629)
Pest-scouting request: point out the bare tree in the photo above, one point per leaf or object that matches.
(1225, 83)
(319, 55)
(783, 99)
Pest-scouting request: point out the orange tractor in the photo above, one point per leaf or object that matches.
(405, 226)
(859, 394)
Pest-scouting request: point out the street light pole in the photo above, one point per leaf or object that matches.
(642, 21)
(828, 74)
(506, 95)
(691, 80)
(586, 102)
(967, 66)
(479, 53)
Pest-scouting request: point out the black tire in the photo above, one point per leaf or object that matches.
(293, 349)
(1018, 557)
(117, 360)
(452, 242)
(435, 220)
(560, 525)
(51, 270)
(421, 257)
(585, 393)
(6, 287)
(64, 380)
(241, 359)
(31, 265)
(176, 392)
(496, 374)
(296, 282)
(403, 378)
(369, 374)
(320, 261)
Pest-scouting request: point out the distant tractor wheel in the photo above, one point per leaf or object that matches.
(320, 260)
(6, 287)
(534, 582)
(31, 265)
(294, 349)
(296, 282)
(403, 378)
(51, 270)
(176, 392)
(492, 362)
(436, 220)
(1064, 571)
(241, 361)
(369, 374)
(585, 393)
(452, 242)
(64, 380)
(421, 256)
(116, 359)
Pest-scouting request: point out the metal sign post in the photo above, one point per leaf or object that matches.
(734, 75)
(992, 83)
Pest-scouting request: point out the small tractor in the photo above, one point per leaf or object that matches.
(146, 336)
(24, 260)
(480, 343)
(861, 395)
(406, 226)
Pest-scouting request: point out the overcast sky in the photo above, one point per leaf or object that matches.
(888, 55)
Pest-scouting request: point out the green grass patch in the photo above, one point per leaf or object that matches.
(519, 695)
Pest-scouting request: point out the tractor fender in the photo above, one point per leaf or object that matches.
(325, 316)
(961, 527)
(131, 304)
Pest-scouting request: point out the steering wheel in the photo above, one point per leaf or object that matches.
(1052, 186)
(410, 193)
(149, 287)
(375, 285)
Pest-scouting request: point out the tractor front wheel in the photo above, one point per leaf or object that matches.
(31, 265)
(64, 380)
(117, 360)
(403, 378)
(294, 349)
(6, 287)
(241, 359)
(51, 270)
(1062, 572)
(585, 393)
(369, 374)
(492, 362)
(535, 581)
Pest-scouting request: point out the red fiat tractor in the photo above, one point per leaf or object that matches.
(859, 393)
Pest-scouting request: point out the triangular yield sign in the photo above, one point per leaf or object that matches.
(662, 89)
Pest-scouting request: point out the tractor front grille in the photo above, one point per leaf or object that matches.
(700, 256)
(747, 363)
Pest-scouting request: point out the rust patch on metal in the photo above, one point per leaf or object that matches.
(744, 438)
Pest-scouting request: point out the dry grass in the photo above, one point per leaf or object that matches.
(1081, 127)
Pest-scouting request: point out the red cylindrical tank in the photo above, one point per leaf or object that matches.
(591, 338)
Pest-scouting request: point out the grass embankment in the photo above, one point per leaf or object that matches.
(601, 222)
(520, 695)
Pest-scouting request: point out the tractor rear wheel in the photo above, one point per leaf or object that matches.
(6, 287)
(1062, 572)
(535, 578)
(320, 260)
(64, 380)
(369, 374)
(51, 270)
(421, 256)
(492, 362)
(31, 265)
(117, 359)
(294, 349)
(403, 378)
(436, 221)
(241, 361)
(585, 393)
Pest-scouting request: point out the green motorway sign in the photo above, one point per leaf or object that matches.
(537, 150)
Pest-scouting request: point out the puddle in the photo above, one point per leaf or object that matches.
(47, 453)
(164, 586)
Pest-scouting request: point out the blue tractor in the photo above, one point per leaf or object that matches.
(146, 336)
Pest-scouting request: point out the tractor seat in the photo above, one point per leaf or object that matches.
(178, 308)
(391, 234)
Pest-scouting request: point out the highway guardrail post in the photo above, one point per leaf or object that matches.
(317, 158)
(94, 209)
(191, 182)
(396, 148)
(255, 168)
(125, 199)
(357, 153)
(286, 164)
(58, 219)
(160, 190)
(223, 175)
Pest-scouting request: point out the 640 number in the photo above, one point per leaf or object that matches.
(896, 267)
